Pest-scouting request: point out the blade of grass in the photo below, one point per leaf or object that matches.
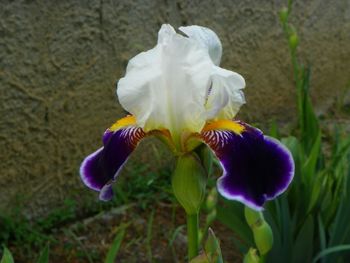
(73, 235)
(114, 249)
(322, 234)
(175, 233)
(303, 245)
(341, 226)
(44, 255)
(331, 250)
(149, 237)
(7, 256)
(309, 168)
(172, 239)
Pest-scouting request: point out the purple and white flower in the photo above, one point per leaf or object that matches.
(177, 91)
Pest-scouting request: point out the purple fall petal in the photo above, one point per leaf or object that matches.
(100, 169)
(106, 192)
(256, 168)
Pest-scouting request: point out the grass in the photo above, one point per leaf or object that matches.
(141, 185)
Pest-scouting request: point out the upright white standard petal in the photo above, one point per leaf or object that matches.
(166, 86)
(207, 38)
(225, 95)
(177, 85)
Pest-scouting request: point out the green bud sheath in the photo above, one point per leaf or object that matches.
(263, 238)
(188, 182)
(212, 199)
(206, 156)
(283, 15)
(252, 217)
(251, 256)
(212, 248)
(262, 232)
(293, 41)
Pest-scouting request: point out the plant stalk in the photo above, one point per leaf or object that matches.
(192, 235)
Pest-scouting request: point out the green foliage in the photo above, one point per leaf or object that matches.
(33, 235)
(209, 207)
(114, 249)
(310, 222)
(141, 184)
(44, 255)
(149, 236)
(7, 256)
(252, 256)
(144, 185)
(263, 236)
(189, 182)
(211, 250)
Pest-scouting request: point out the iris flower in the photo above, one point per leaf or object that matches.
(177, 92)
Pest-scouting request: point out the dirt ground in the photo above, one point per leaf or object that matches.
(147, 239)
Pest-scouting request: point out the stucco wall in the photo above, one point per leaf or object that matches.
(59, 61)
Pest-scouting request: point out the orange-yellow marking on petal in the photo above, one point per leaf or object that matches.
(224, 125)
(123, 122)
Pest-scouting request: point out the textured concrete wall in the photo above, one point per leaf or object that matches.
(59, 61)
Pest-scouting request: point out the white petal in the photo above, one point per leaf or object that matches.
(166, 86)
(225, 95)
(165, 33)
(207, 38)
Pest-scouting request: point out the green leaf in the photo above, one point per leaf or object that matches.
(331, 250)
(282, 228)
(7, 256)
(175, 234)
(212, 248)
(339, 154)
(44, 255)
(202, 258)
(303, 245)
(309, 168)
(114, 249)
(316, 187)
(285, 220)
(293, 144)
(341, 228)
(231, 214)
(309, 121)
(274, 129)
(321, 233)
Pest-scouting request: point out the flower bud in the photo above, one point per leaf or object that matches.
(293, 41)
(251, 256)
(283, 15)
(262, 232)
(263, 238)
(188, 182)
(212, 199)
(253, 218)
(212, 247)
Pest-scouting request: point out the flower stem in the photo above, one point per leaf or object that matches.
(192, 235)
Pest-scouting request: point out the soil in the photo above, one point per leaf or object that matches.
(147, 238)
